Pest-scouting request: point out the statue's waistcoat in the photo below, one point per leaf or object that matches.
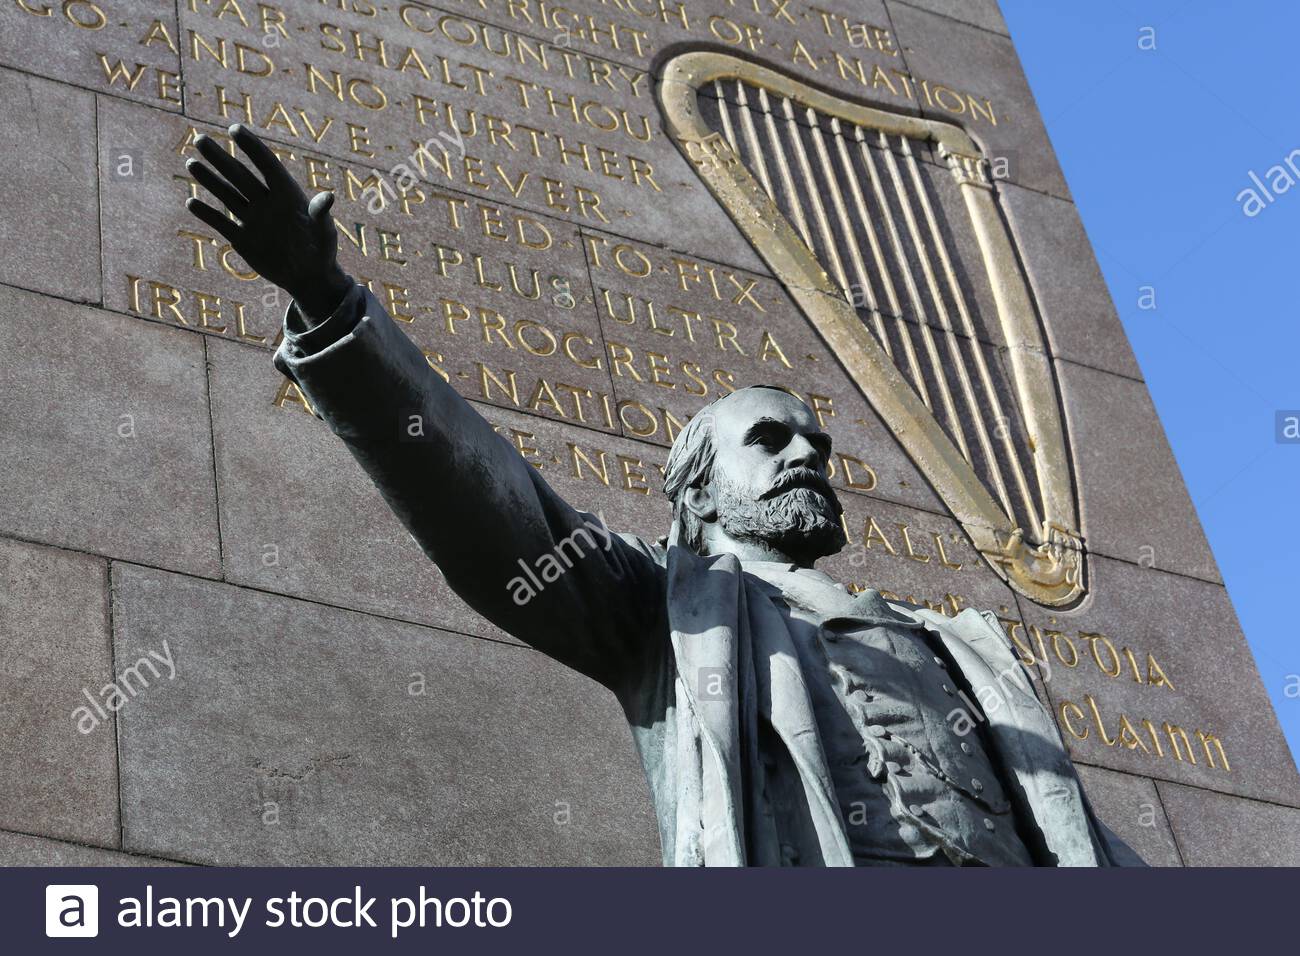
(911, 785)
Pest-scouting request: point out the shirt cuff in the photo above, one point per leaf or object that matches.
(302, 341)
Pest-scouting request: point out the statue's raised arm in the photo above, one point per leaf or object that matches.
(469, 499)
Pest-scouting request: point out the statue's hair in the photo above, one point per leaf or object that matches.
(690, 465)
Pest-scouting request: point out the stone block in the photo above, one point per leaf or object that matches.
(109, 418)
(1131, 807)
(1213, 829)
(921, 557)
(1132, 498)
(59, 768)
(834, 43)
(299, 516)
(49, 224)
(298, 734)
(505, 117)
(980, 13)
(129, 48)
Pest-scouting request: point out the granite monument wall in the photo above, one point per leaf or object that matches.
(216, 643)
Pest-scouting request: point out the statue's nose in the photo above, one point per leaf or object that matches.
(801, 453)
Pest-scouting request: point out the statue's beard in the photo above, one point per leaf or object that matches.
(799, 516)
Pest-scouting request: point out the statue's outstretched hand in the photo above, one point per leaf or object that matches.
(285, 238)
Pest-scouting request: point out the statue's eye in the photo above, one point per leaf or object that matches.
(770, 435)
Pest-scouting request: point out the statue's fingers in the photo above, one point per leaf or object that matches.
(236, 173)
(261, 156)
(226, 193)
(230, 230)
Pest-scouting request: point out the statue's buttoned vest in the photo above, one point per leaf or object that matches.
(912, 776)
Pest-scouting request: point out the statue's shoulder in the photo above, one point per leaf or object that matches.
(970, 623)
(656, 551)
(595, 524)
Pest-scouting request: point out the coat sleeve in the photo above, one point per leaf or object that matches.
(515, 551)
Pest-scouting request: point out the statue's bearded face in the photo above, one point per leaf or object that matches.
(770, 475)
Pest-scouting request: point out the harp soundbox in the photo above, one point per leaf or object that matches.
(839, 200)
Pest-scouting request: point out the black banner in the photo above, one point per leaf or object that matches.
(148, 910)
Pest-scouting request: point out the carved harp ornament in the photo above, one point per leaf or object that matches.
(836, 198)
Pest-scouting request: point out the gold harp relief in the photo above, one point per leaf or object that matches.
(1041, 556)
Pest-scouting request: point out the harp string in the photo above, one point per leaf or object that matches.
(751, 138)
(727, 130)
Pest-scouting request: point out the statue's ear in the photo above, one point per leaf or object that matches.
(699, 501)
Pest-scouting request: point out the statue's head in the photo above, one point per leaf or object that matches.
(748, 475)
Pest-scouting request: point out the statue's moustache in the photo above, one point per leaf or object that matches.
(799, 478)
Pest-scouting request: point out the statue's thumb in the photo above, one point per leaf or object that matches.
(319, 208)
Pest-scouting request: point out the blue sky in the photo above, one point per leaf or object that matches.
(1157, 146)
